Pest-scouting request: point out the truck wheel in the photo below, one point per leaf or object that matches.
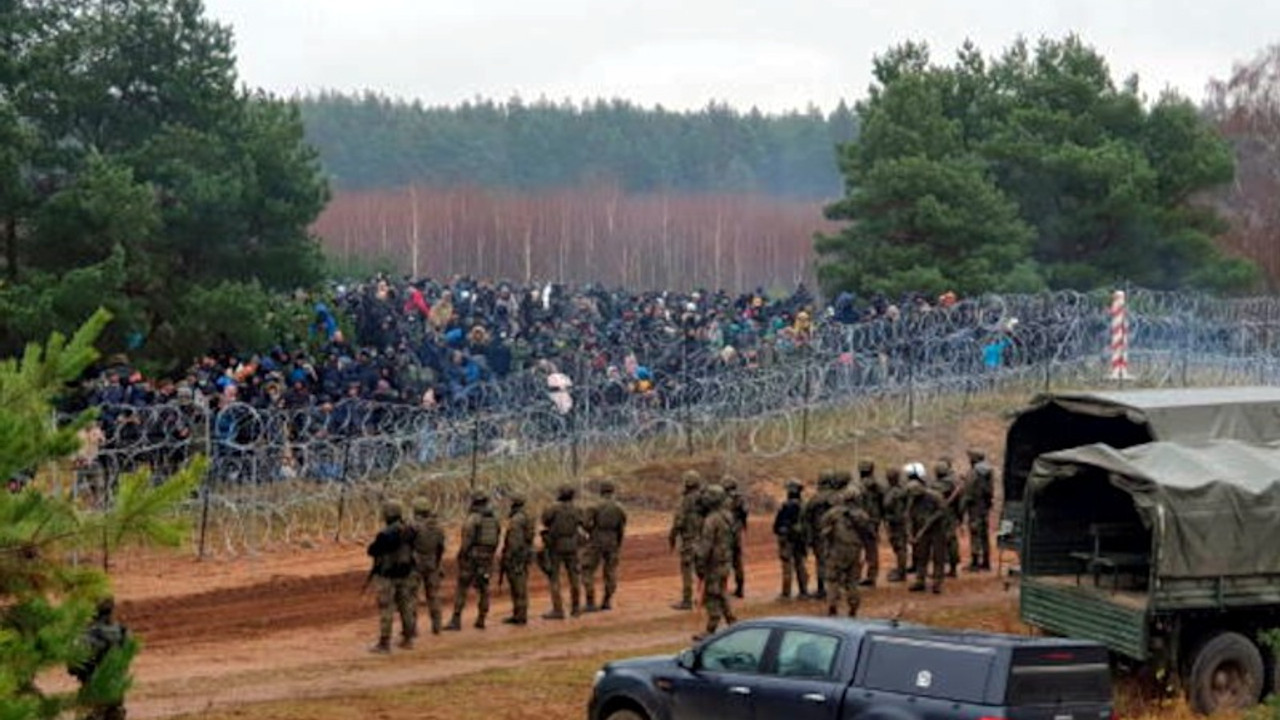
(1226, 674)
(625, 714)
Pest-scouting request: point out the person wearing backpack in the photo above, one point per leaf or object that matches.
(397, 581)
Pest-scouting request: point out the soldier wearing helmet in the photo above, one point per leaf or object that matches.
(895, 509)
(714, 557)
(517, 553)
(873, 492)
(844, 530)
(686, 524)
(428, 556)
(562, 530)
(979, 496)
(606, 525)
(952, 489)
(738, 509)
(396, 581)
(479, 543)
(788, 528)
(818, 506)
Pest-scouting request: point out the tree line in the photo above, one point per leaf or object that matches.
(369, 141)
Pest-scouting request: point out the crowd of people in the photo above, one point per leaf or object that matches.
(842, 524)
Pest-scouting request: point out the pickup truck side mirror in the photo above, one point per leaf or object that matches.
(688, 660)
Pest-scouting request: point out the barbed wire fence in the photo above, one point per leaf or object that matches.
(320, 473)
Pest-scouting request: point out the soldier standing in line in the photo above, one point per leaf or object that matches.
(562, 528)
(927, 518)
(715, 558)
(895, 518)
(517, 553)
(873, 505)
(480, 534)
(788, 528)
(428, 557)
(978, 500)
(812, 513)
(739, 511)
(396, 582)
(102, 636)
(845, 530)
(685, 526)
(952, 490)
(606, 525)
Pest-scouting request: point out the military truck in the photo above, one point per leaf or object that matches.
(1121, 419)
(1166, 552)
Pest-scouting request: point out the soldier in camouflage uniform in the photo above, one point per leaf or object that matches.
(979, 496)
(812, 514)
(396, 581)
(895, 520)
(873, 504)
(685, 526)
(606, 525)
(562, 530)
(428, 557)
(927, 526)
(714, 557)
(952, 490)
(517, 553)
(737, 509)
(480, 535)
(102, 636)
(845, 530)
(788, 528)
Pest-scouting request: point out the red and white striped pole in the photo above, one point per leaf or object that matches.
(1119, 337)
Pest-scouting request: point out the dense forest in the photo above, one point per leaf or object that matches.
(371, 142)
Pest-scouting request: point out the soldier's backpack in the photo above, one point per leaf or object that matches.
(564, 529)
(487, 532)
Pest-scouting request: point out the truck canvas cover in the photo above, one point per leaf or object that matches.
(1057, 421)
(1214, 504)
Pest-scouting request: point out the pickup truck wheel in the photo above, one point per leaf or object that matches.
(1226, 674)
(625, 714)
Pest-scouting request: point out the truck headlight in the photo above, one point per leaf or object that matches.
(599, 676)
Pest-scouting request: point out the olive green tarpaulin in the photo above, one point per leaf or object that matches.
(1242, 413)
(1214, 506)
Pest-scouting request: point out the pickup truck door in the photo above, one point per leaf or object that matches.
(802, 684)
(723, 685)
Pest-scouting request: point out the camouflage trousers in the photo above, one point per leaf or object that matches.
(980, 537)
(518, 580)
(431, 580)
(930, 552)
(715, 598)
(593, 558)
(397, 595)
(686, 570)
(792, 554)
(842, 582)
(820, 567)
(569, 563)
(898, 541)
(474, 570)
(871, 555)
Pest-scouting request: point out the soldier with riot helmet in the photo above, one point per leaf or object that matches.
(395, 578)
(428, 557)
(606, 525)
(788, 528)
(517, 552)
(685, 528)
(561, 531)
(480, 534)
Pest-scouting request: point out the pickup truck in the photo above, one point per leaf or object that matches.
(802, 668)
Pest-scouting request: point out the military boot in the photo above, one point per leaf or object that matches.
(480, 623)
(383, 647)
(916, 587)
(553, 615)
(868, 583)
(607, 605)
(897, 576)
(406, 642)
(974, 565)
(455, 623)
(738, 592)
(590, 607)
(683, 605)
(953, 571)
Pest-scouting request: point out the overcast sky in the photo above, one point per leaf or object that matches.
(773, 54)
